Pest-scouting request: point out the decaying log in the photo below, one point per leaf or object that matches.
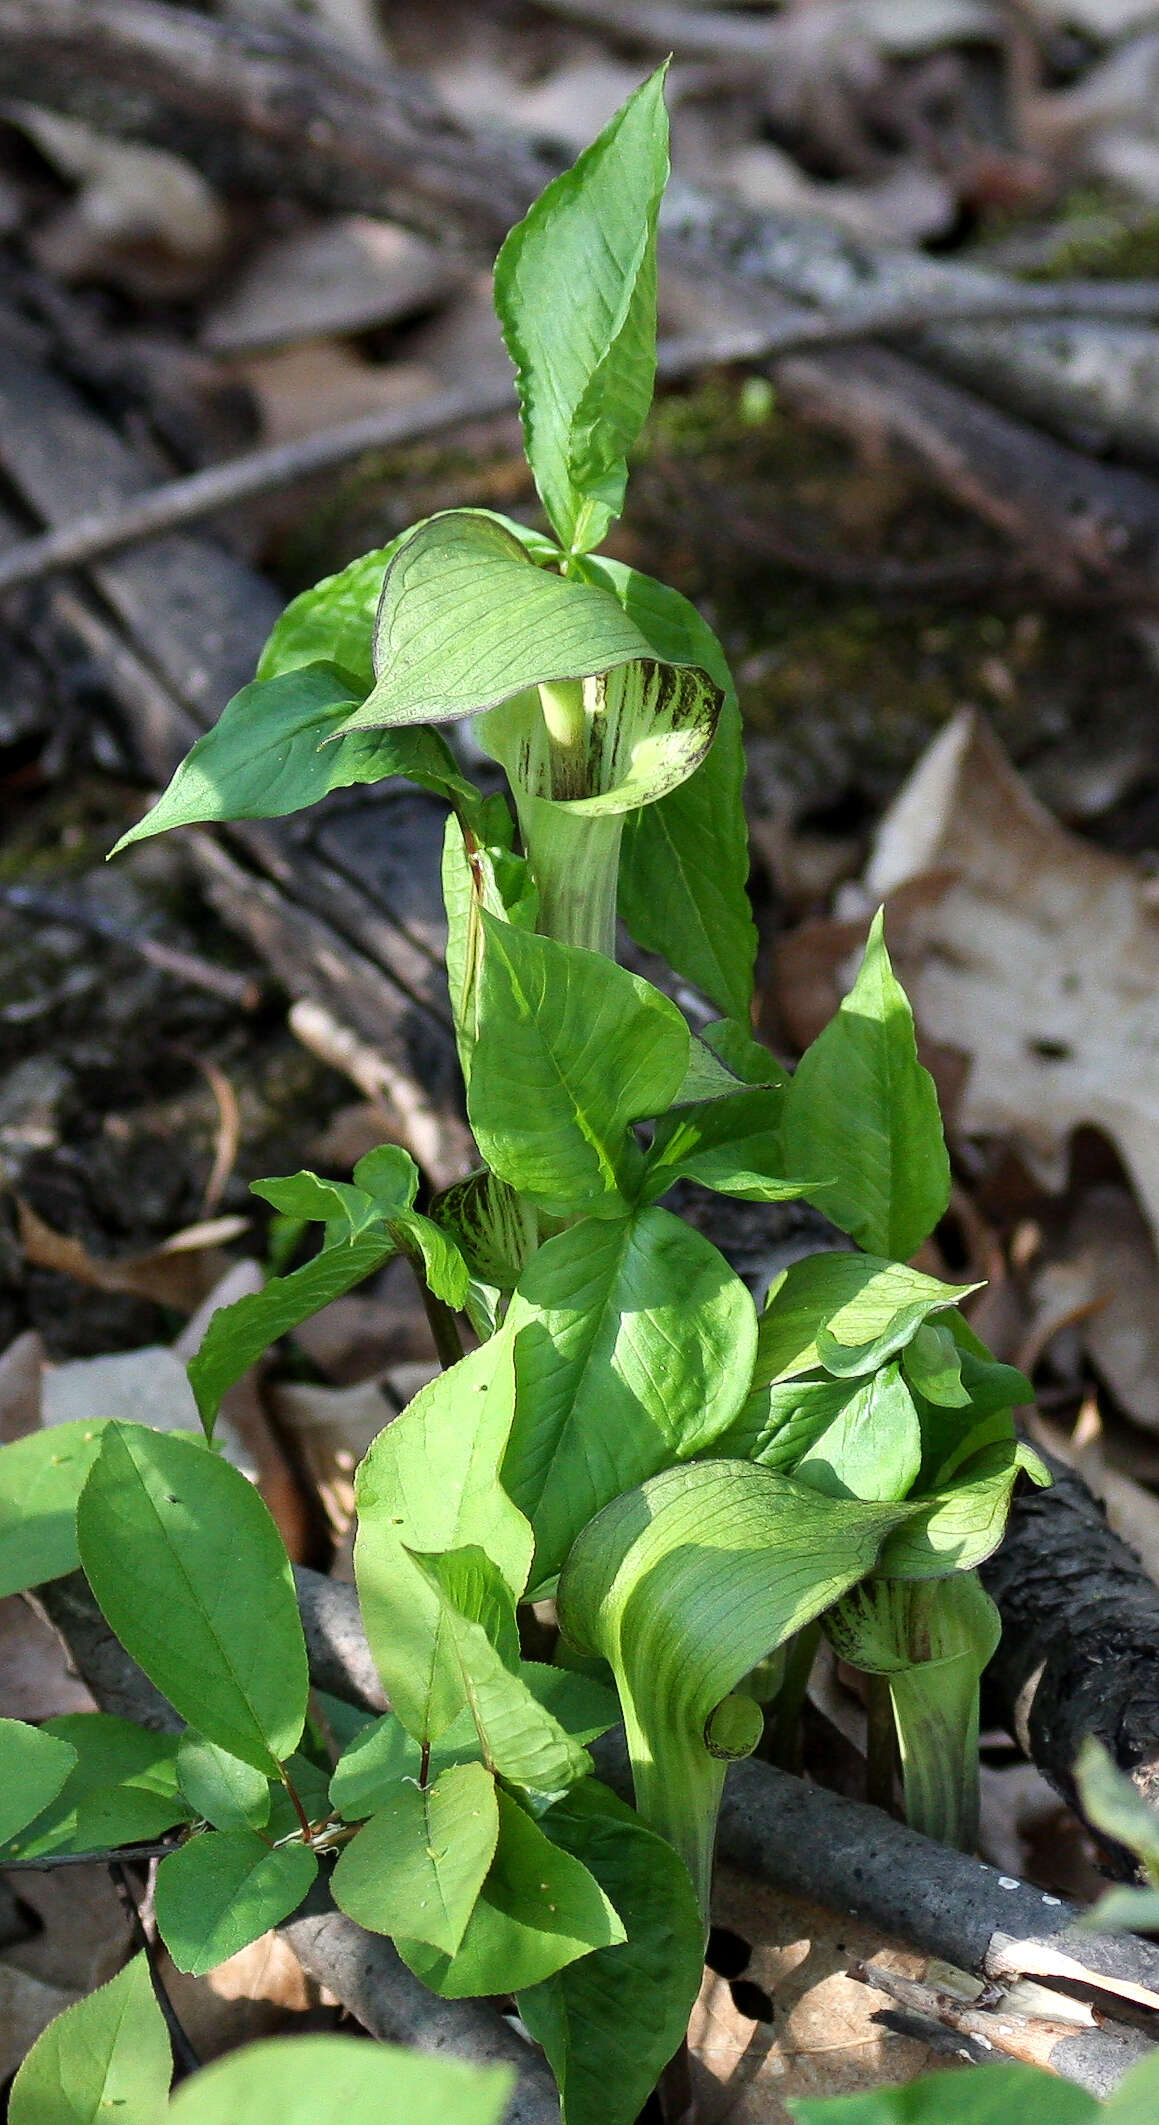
(240, 101)
(1080, 1639)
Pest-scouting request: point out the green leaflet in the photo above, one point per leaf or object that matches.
(383, 1752)
(987, 2095)
(634, 1344)
(683, 1585)
(490, 877)
(610, 2022)
(237, 1335)
(209, 1609)
(107, 2057)
(41, 1478)
(745, 1057)
(467, 619)
(33, 1768)
(572, 1050)
(847, 1312)
(538, 1910)
(586, 365)
(420, 1862)
(932, 1640)
(122, 1789)
(519, 1739)
(333, 620)
(217, 1893)
(873, 1446)
(430, 1482)
(269, 754)
(778, 1424)
(861, 1108)
(1135, 2098)
(957, 1527)
(337, 2080)
(732, 1144)
(226, 1792)
(932, 1364)
(1114, 1804)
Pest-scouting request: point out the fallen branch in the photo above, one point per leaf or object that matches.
(1080, 1638)
(999, 2028)
(242, 479)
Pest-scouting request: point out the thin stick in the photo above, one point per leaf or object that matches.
(202, 494)
(184, 966)
(185, 2059)
(105, 1857)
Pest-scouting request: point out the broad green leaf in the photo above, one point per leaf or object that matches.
(647, 727)
(237, 1335)
(333, 621)
(731, 1144)
(1135, 2099)
(634, 1345)
(778, 1425)
(847, 1312)
(435, 1253)
(1124, 1910)
(122, 1789)
(1114, 1804)
(418, 1865)
(331, 1203)
(41, 1478)
(747, 1058)
(862, 1109)
(496, 1230)
(872, 1448)
(572, 1050)
(932, 1364)
(337, 2080)
(519, 1740)
(480, 874)
(33, 1768)
(219, 1787)
(986, 2095)
(610, 2022)
(272, 751)
(209, 1609)
(932, 1639)
(107, 2058)
(538, 1909)
(467, 620)
(575, 289)
(431, 1482)
(958, 1527)
(683, 1585)
(222, 1890)
(684, 861)
(390, 1175)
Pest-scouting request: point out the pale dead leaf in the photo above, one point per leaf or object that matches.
(38, 1683)
(909, 206)
(332, 1428)
(261, 1991)
(823, 2039)
(179, 1273)
(27, 2006)
(148, 1386)
(20, 1370)
(321, 383)
(1037, 958)
(141, 215)
(1104, 1276)
(86, 1934)
(341, 276)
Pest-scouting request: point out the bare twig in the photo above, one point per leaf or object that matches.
(144, 1925)
(202, 494)
(130, 1854)
(197, 973)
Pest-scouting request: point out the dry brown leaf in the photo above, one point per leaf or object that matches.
(909, 206)
(38, 1683)
(340, 276)
(261, 1991)
(179, 1273)
(1033, 954)
(323, 382)
(1104, 1277)
(823, 2039)
(27, 2006)
(332, 1428)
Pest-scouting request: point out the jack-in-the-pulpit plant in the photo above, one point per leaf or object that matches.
(700, 1489)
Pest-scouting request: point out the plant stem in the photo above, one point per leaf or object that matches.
(443, 1325)
(881, 1745)
(299, 1810)
(575, 861)
(783, 1734)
